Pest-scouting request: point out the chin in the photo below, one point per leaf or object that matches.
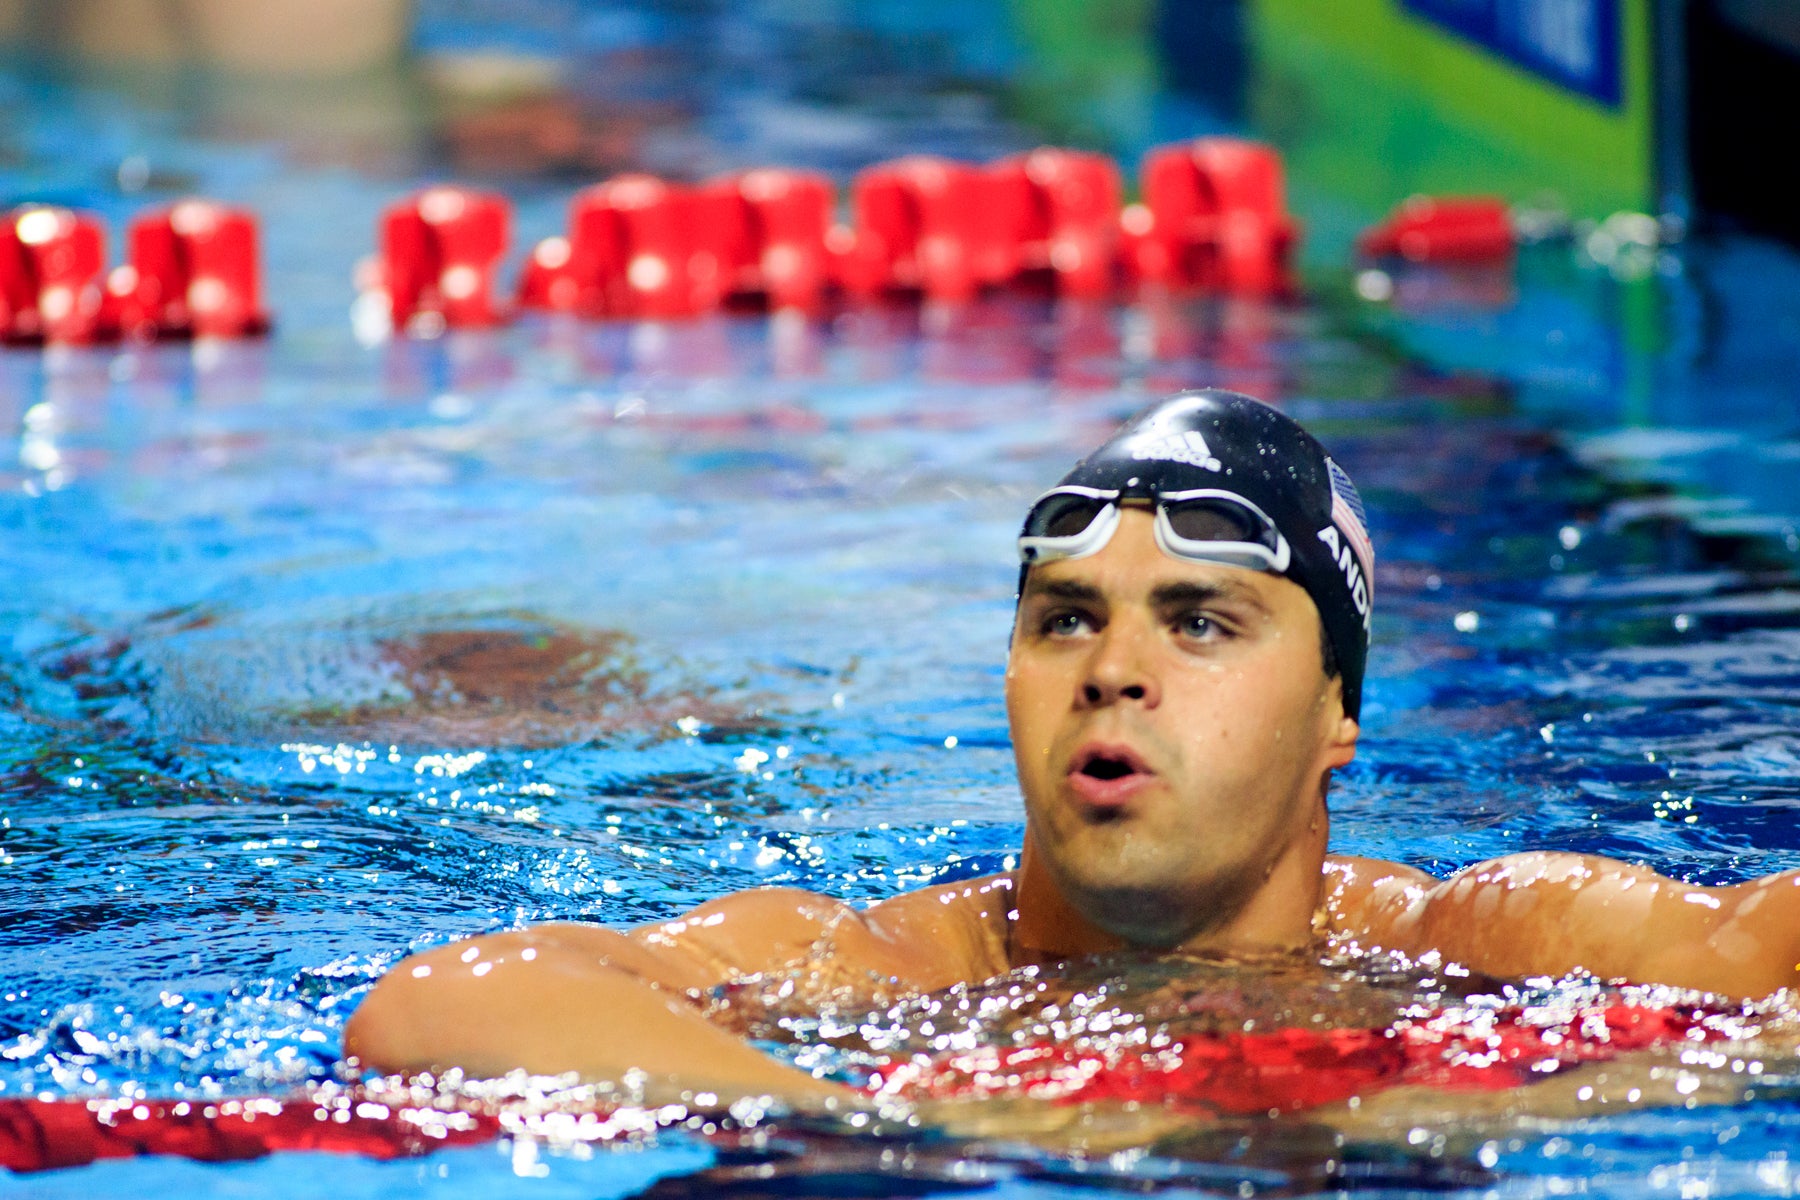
(1126, 910)
(1144, 936)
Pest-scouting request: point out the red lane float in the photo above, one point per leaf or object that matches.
(51, 283)
(1214, 217)
(920, 224)
(193, 272)
(440, 253)
(780, 226)
(1443, 229)
(630, 242)
(947, 230)
(1286, 1070)
(650, 249)
(638, 247)
(1063, 207)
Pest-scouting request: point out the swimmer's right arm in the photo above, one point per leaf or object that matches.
(603, 1004)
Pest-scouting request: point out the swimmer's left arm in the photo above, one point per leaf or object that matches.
(1550, 913)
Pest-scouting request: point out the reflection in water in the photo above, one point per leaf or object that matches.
(1242, 1158)
(545, 686)
(513, 681)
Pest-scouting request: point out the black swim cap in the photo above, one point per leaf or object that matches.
(1229, 442)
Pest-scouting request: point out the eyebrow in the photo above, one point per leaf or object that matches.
(1175, 595)
(1167, 595)
(1065, 589)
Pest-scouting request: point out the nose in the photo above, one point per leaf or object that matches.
(1120, 669)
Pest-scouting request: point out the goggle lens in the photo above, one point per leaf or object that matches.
(1065, 516)
(1213, 521)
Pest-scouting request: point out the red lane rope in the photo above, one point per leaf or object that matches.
(1292, 1069)
(1284, 1070)
(37, 1135)
(1213, 218)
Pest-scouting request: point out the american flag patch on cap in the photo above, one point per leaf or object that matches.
(1347, 514)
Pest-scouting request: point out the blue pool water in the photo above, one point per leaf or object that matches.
(317, 652)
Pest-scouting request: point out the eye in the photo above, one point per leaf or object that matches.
(1199, 627)
(1064, 623)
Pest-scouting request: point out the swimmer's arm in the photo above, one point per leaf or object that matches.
(1549, 913)
(603, 1004)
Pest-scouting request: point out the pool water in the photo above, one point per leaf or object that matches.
(316, 653)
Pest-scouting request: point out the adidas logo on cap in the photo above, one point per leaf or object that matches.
(1186, 446)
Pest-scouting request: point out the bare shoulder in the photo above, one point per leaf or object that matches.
(924, 939)
(1365, 897)
(956, 932)
(750, 932)
(1550, 912)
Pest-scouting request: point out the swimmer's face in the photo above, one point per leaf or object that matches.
(1173, 725)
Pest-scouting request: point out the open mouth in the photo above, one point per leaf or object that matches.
(1108, 763)
(1107, 768)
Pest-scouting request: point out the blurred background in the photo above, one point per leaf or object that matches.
(1580, 114)
(1599, 105)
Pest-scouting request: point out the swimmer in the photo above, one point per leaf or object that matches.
(1185, 674)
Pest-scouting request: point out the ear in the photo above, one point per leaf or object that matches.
(1340, 731)
(1340, 746)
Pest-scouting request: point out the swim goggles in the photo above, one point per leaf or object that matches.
(1205, 525)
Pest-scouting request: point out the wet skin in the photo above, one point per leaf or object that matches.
(1175, 733)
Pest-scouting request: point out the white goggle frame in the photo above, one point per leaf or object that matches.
(1273, 556)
